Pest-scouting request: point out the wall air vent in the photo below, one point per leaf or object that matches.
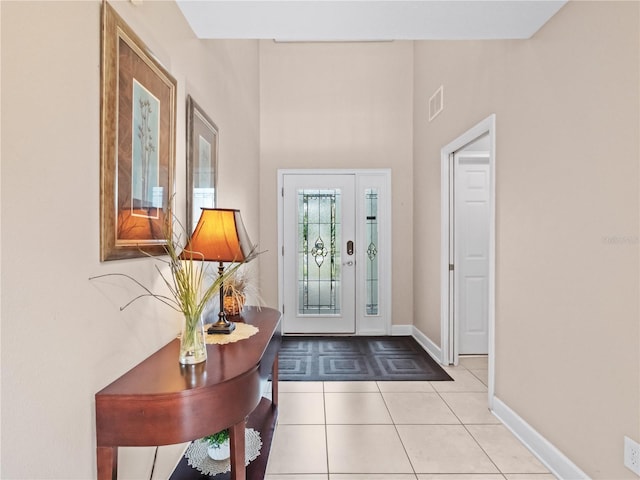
(436, 103)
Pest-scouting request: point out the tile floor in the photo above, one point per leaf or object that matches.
(397, 431)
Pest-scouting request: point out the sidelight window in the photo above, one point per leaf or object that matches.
(371, 207)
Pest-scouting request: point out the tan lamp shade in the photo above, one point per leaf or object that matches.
(219, 236)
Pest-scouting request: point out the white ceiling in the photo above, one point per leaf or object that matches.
(362, 20)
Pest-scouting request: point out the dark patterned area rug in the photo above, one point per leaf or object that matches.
(355, 359)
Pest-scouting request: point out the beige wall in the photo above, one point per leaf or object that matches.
(567, 320)
(568, 339)
(338, 105)
(63, 337)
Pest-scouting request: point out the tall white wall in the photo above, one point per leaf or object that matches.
(63, 337)
(338, 105)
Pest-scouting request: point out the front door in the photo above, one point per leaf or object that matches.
(319, 260)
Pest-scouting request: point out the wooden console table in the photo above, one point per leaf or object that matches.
(160, 402)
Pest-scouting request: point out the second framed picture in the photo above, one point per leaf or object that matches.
(202, 163)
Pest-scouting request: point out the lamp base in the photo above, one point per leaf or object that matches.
(221, 327)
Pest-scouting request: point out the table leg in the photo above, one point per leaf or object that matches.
(107, 460)
(274, 383)
(237, 444)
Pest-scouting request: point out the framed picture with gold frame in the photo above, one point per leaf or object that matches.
(202, 162)
(137, 143)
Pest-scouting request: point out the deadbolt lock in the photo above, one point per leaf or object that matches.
(350, 247)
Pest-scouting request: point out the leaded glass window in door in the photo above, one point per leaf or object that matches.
(319, 240)
(371, 235)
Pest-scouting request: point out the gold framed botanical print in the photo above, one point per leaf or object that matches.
(138, 112)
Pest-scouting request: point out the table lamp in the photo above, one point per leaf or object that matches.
(220, 236)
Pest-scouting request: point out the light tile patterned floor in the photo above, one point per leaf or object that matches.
(397, 431)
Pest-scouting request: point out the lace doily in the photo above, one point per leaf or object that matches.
(242, 331)
(197, 454)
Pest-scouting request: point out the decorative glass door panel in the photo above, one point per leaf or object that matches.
(319, 251)
(319, 257)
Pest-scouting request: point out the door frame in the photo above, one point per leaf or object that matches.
(448, 328)
(365, 325)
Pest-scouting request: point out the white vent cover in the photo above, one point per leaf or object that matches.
(436, 103)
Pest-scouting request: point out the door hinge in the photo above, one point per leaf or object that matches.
(282, 250)
(451, 267)
(282, 192)
(283, 308)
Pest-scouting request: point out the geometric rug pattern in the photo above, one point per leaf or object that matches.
(385, 358)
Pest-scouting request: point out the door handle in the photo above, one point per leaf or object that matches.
(349, 263)
(350, 247)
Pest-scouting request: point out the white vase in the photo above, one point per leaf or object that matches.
(219, 452)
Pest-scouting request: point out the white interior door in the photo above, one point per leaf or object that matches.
(471, 247)
(319, 264)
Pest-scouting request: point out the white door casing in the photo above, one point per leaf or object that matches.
(363, 295)
(448, 344)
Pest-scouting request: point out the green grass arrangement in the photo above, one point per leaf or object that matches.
(186, 284)
(189, 294)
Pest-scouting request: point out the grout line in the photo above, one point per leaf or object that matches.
(326, 430)
(395, 427)
(483, 450)
(479, 379)
(450, 409)
(464, 425)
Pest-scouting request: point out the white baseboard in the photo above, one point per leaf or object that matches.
(426, 343)
(547, 453)
(402, 330)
